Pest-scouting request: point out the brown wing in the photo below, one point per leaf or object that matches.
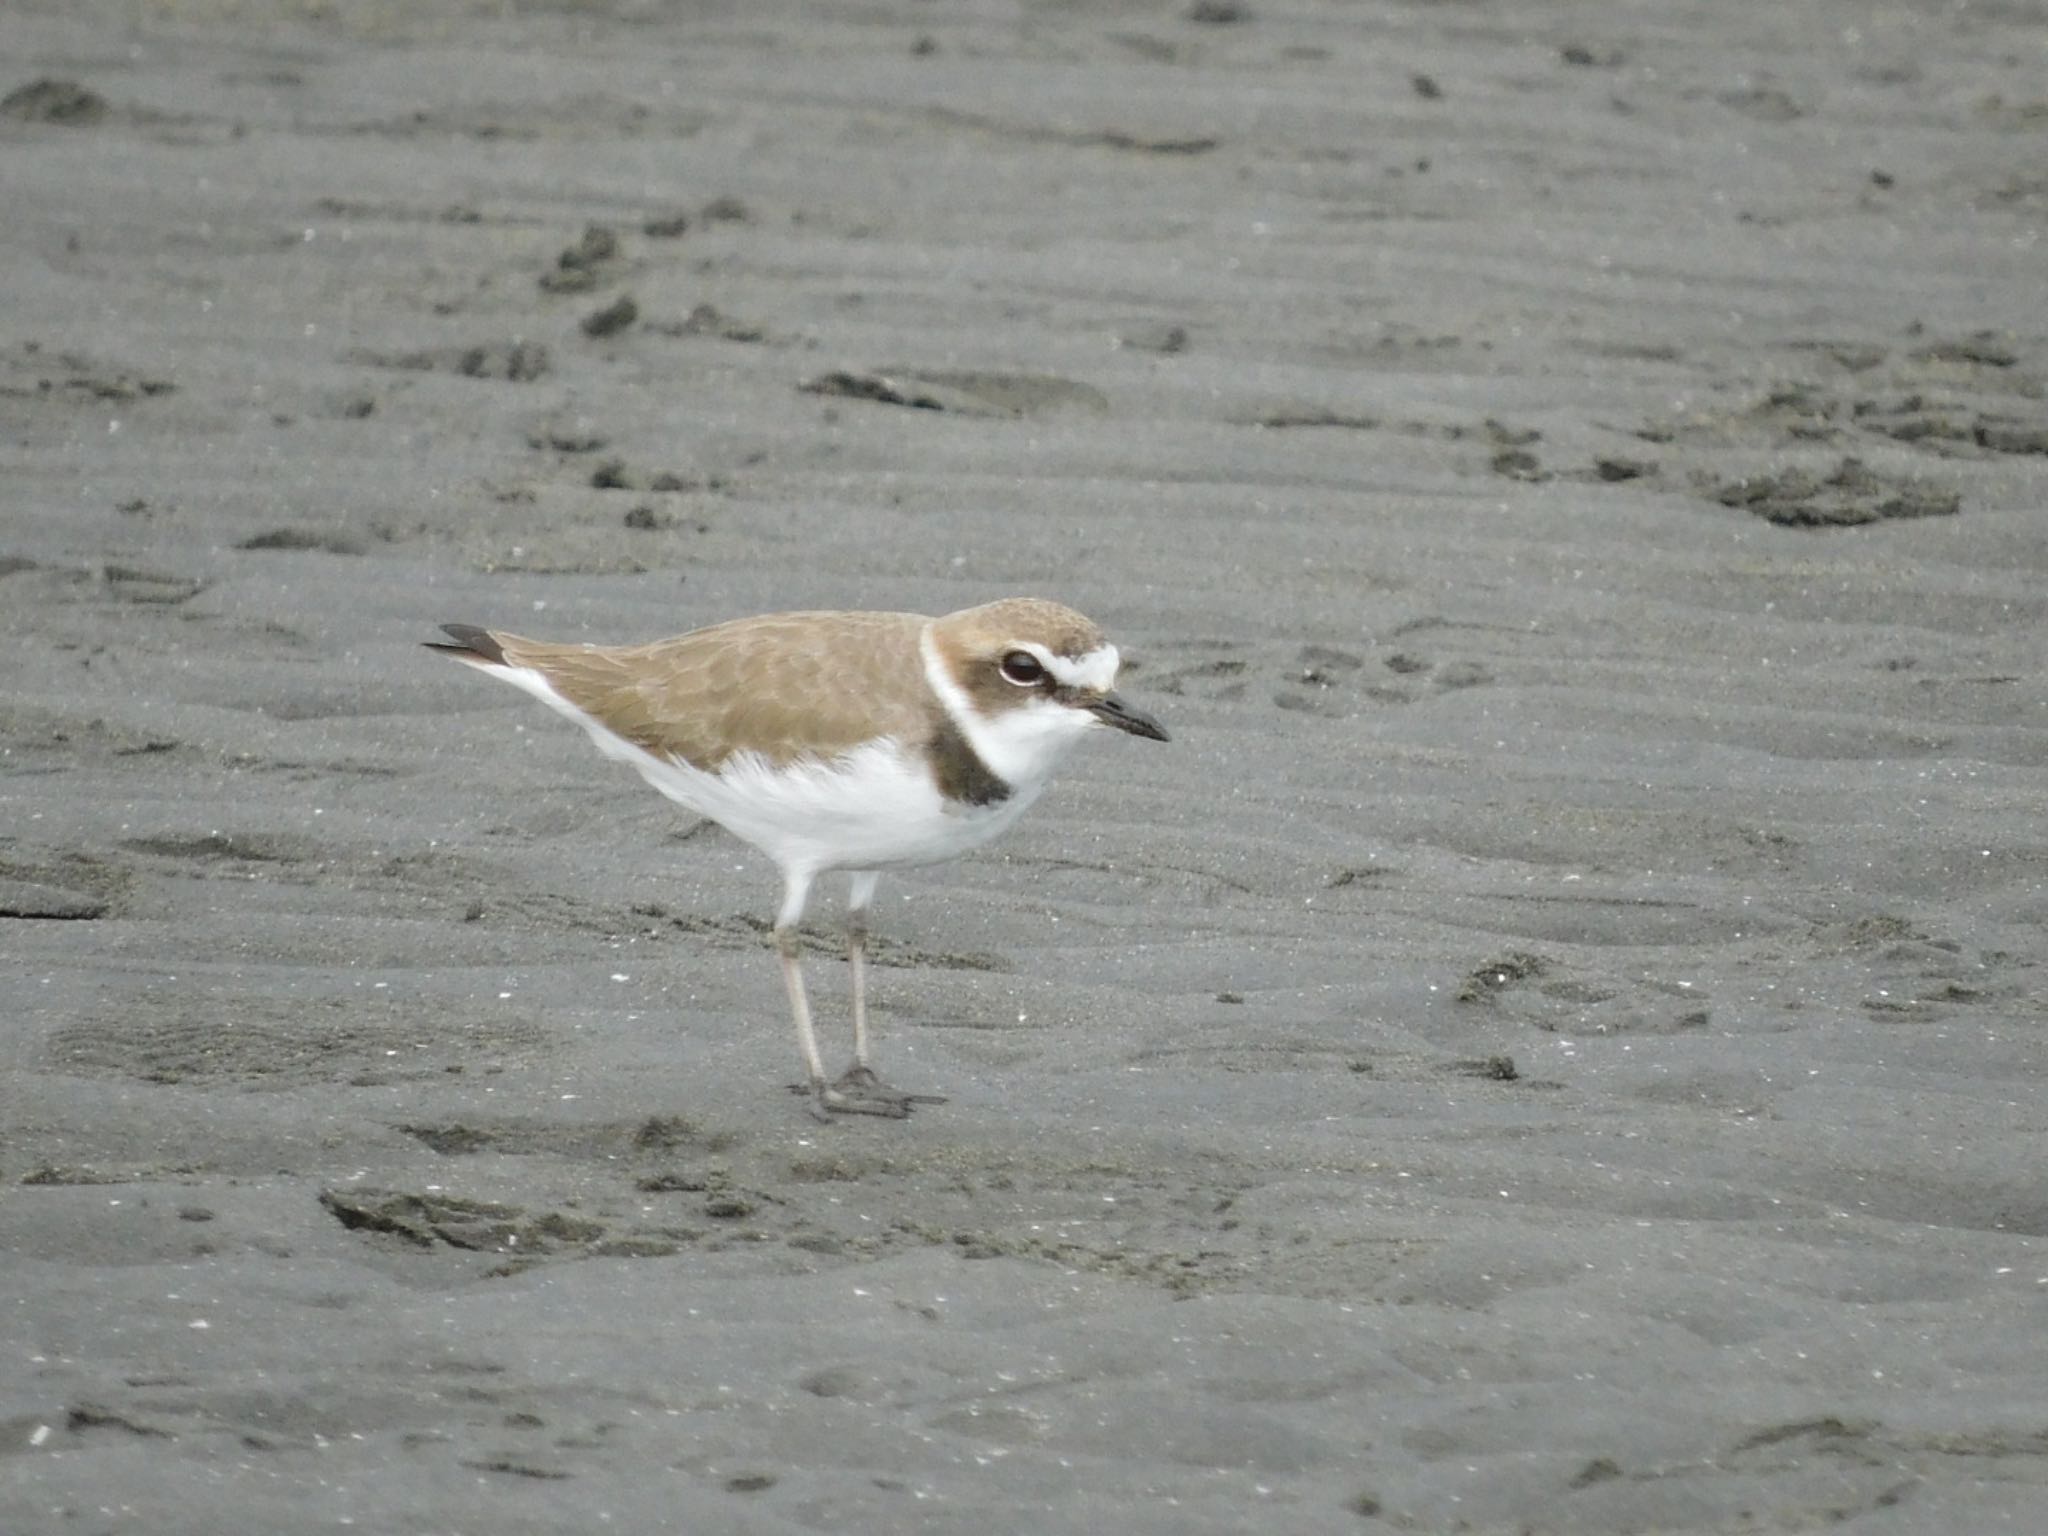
(785, 685)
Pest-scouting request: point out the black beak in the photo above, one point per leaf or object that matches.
(1111, 710)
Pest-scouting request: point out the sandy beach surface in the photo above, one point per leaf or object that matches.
(1556, 1042)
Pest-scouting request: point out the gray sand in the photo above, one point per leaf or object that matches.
(1555, 1044)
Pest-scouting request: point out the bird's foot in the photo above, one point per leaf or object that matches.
(859, 1092)
(859, 1082)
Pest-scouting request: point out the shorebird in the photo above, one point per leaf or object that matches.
(856, 742)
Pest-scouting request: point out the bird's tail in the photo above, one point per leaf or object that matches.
(471, 645)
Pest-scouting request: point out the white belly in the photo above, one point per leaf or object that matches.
(875, 808)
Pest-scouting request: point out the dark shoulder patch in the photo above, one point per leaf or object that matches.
(962, 775)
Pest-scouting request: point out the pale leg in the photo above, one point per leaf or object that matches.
(796, 889)
(857, 1093)
(859, 1082)
(860, 893)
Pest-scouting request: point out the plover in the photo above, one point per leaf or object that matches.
(858, 742)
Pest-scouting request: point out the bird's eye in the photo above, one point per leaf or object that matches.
(1023, 669)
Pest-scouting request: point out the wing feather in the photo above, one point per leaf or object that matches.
(784, 686)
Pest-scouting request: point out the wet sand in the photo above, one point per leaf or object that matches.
(1554, 1044)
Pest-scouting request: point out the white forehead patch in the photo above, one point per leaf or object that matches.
(1097, 669)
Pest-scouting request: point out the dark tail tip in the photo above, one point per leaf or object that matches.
(470, 642)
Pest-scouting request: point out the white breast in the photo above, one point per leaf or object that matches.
(874, 808)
